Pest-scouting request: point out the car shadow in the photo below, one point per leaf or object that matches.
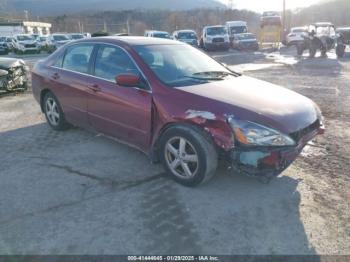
(231, 214)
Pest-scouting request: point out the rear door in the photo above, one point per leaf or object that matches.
(70, 80)
(122, 112)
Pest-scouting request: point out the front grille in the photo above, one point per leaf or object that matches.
(30, 46)
(301, 133)
(218, 40)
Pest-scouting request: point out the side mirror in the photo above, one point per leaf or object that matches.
(128, 80)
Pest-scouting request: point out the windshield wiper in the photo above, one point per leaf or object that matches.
(219, 74)
(203, 78)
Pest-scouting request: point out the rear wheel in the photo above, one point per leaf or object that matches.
(53, 113)
(187, 155)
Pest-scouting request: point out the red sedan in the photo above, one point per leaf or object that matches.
(176, 104)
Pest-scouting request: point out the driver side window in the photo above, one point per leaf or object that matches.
(113, 61)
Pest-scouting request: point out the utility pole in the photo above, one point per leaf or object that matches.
(284, 16)
(26, 15)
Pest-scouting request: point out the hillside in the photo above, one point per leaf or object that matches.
(52, 7)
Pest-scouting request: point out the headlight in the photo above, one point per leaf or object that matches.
(209, 39)
(252, 134)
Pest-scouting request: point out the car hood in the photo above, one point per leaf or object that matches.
(27, 42)
(6, 63)
(258, 101)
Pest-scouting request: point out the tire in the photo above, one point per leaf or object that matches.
(312, 51)
(300, 50)
(197, 148)
(340, 51)
(60, 122)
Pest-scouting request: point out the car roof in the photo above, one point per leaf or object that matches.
(185, 30)
(131, 40)
(212, 26)
(323, 24)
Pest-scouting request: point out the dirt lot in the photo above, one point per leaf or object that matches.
(76, 192)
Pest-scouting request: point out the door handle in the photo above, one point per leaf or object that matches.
(55, 76)
(95, 88)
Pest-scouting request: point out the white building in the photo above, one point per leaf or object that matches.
(24, 27)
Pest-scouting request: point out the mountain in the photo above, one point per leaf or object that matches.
(53, 7)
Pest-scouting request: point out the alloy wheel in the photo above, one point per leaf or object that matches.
(181, 157)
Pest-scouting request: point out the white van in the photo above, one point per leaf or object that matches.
(236, 27)
(215, 37)
(157, 34)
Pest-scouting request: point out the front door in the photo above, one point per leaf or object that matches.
(122, 112)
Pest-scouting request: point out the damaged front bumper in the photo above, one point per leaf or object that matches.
(268, 161)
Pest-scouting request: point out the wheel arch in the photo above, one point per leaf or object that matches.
(218, 138)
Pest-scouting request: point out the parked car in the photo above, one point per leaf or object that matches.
(157, 34)
(247, 41)
(177, 104)
(296, 35)
(76, 36)
(186, 36)
(214, 38)
(236, 27)
(13, 74)
(45, 44)
(4, 47)
(321, 36)
(58, 40)
(11, 43)
(26, 44)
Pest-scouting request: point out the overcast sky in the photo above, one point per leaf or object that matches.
(270, 5)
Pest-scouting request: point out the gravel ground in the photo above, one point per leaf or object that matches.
(76, 192)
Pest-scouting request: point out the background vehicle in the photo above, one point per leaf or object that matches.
(215, 37)
(236, 27)
(13, 74)
(4, 46)
(321, 36)
(26, 43)
(76, 36)
(247, 41)
(186, 36)
(45, 44)
(295, 35)
(58, 40)
(157, 34)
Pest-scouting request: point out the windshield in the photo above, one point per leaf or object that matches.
(77, 36)
(161, 35)
(181, 65)
(2, 39)
(238, 30)
(42, 39)
(60, 38)
(246, 37)
(216, 30)
(24, 37)
(299, 30)
(187, 35)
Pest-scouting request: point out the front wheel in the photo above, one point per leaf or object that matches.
(53, 113)
(188, 156)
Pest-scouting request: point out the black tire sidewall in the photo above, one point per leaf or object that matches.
(189, 135)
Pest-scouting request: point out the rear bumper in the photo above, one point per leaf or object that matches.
(268, 161)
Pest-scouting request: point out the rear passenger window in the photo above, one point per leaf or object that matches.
(77, 58)
(113, 61)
